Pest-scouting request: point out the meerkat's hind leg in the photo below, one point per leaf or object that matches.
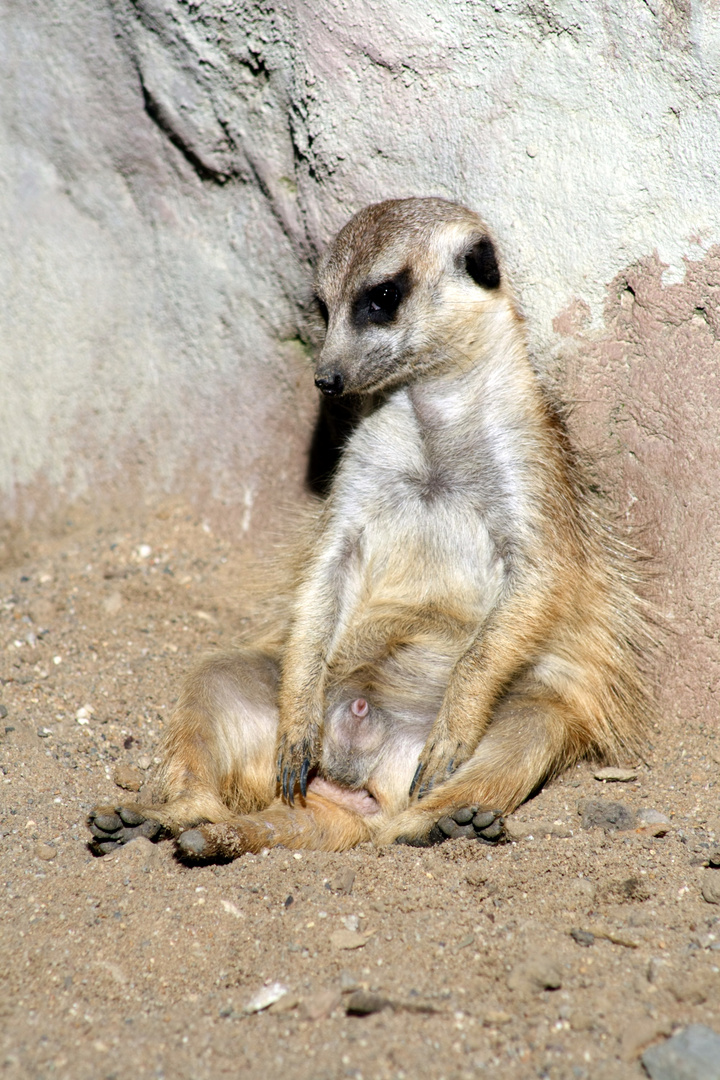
(317, 824)
(218, 755)
(532, 735)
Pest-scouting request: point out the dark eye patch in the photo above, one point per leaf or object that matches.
(481, 264)
(321, 308)
(378, 305)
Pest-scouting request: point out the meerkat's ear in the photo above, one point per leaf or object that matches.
(481, 263)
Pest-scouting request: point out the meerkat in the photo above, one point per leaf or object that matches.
(463, 625)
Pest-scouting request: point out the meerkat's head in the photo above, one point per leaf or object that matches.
(408, 286)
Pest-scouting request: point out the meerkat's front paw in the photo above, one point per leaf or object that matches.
(438, 761)
(467, 822)
(473, 823)
(294, 763)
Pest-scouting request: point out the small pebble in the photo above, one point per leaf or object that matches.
(45, 852)
(144, 762)
(652, 823)
(711, 887)
(319, 1004)
(44, 733)
(692, 1054)
(603, 814)
(3, 712)
(265, 997)
(365, 1002)
(231, 908)
(714, 858)
(351, 922)
(286, 1004)
(347, 939)
(342, 882)
(615, 775)
(582, 937)
(128, 778)
(139, 853)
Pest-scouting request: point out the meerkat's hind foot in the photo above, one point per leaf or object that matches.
(219, 843)
(469, 822)
(113, 826)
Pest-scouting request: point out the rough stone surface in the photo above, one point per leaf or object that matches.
(171, 169)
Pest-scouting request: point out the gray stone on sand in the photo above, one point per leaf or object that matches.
(604, 814)
(711, 887)
(692, 1054)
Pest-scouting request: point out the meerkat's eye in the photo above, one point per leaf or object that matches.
(481, 263)
(383, 300)
(322, 310)
(379, 304)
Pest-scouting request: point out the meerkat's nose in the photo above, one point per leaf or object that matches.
(331, 385)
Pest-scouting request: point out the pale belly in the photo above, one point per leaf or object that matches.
(416, 592)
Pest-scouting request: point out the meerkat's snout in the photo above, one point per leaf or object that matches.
(332, 385)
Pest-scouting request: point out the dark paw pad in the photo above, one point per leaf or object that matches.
(111, 828)
(193, 845)
(473, 824)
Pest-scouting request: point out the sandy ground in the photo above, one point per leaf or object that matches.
(134, 965)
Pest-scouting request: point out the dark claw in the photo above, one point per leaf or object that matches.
(416, 777)
(286, 771)
(291, 788)
(425, 789)
(303, 776)
(450, 768)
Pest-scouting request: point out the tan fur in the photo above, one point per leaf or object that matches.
(457, 579)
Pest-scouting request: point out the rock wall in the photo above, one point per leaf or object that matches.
(170, 168)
